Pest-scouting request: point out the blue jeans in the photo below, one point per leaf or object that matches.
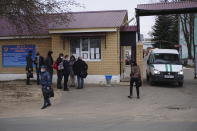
(80, 82)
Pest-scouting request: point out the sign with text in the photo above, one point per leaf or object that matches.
(15, 55)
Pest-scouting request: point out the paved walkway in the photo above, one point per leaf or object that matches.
(161, 107)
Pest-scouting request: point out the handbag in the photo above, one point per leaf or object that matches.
(49, 91)
(83, 74)
(55, 66)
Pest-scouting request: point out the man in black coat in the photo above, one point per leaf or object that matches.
(49, 64)
(39, 61)
(66, 72)
(80, 68)
(29, 67)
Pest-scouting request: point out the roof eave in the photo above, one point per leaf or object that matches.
(146, 12)
(83, 30)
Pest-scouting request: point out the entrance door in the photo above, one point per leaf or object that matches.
(127, 55)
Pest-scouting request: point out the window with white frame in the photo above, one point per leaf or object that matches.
(87, 48)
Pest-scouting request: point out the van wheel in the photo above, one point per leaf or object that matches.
(180, 84)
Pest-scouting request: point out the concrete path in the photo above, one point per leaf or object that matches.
(164, 107)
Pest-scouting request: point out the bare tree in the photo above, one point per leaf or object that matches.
(187, 24)
(28, 12)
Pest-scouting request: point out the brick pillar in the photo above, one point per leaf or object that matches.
(57, 46)
(139, 56)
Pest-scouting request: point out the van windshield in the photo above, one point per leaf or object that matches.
(166, 59)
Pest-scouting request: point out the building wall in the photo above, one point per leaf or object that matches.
(139, 57)
(109, 63)
(42, 45)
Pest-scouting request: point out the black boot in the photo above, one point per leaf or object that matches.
(66, 89)
(130, 97)
(44, 107)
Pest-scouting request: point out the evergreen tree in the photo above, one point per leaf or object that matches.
(165, 31)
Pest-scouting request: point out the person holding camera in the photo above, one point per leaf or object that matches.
(60, 70)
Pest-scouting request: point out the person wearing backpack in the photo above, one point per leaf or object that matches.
(60, 70)
(66, 72)
(80, 69)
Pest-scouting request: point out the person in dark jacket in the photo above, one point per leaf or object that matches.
(66, 72)
(45, 81)
(49, 64)
(72, 75)
(39, 61)
(60, 70)
(29, 67)
(79, 67)
(135, 77)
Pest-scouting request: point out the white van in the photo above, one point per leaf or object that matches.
(163, 65)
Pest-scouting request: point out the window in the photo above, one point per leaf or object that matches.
(95, 48)
(88, 48)
(166, 58)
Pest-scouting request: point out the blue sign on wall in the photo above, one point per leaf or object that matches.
(15, 55)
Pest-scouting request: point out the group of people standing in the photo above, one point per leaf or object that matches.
(65, 68)
(39, 62)
(72, 67)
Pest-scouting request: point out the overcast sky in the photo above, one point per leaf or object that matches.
(130, 5)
